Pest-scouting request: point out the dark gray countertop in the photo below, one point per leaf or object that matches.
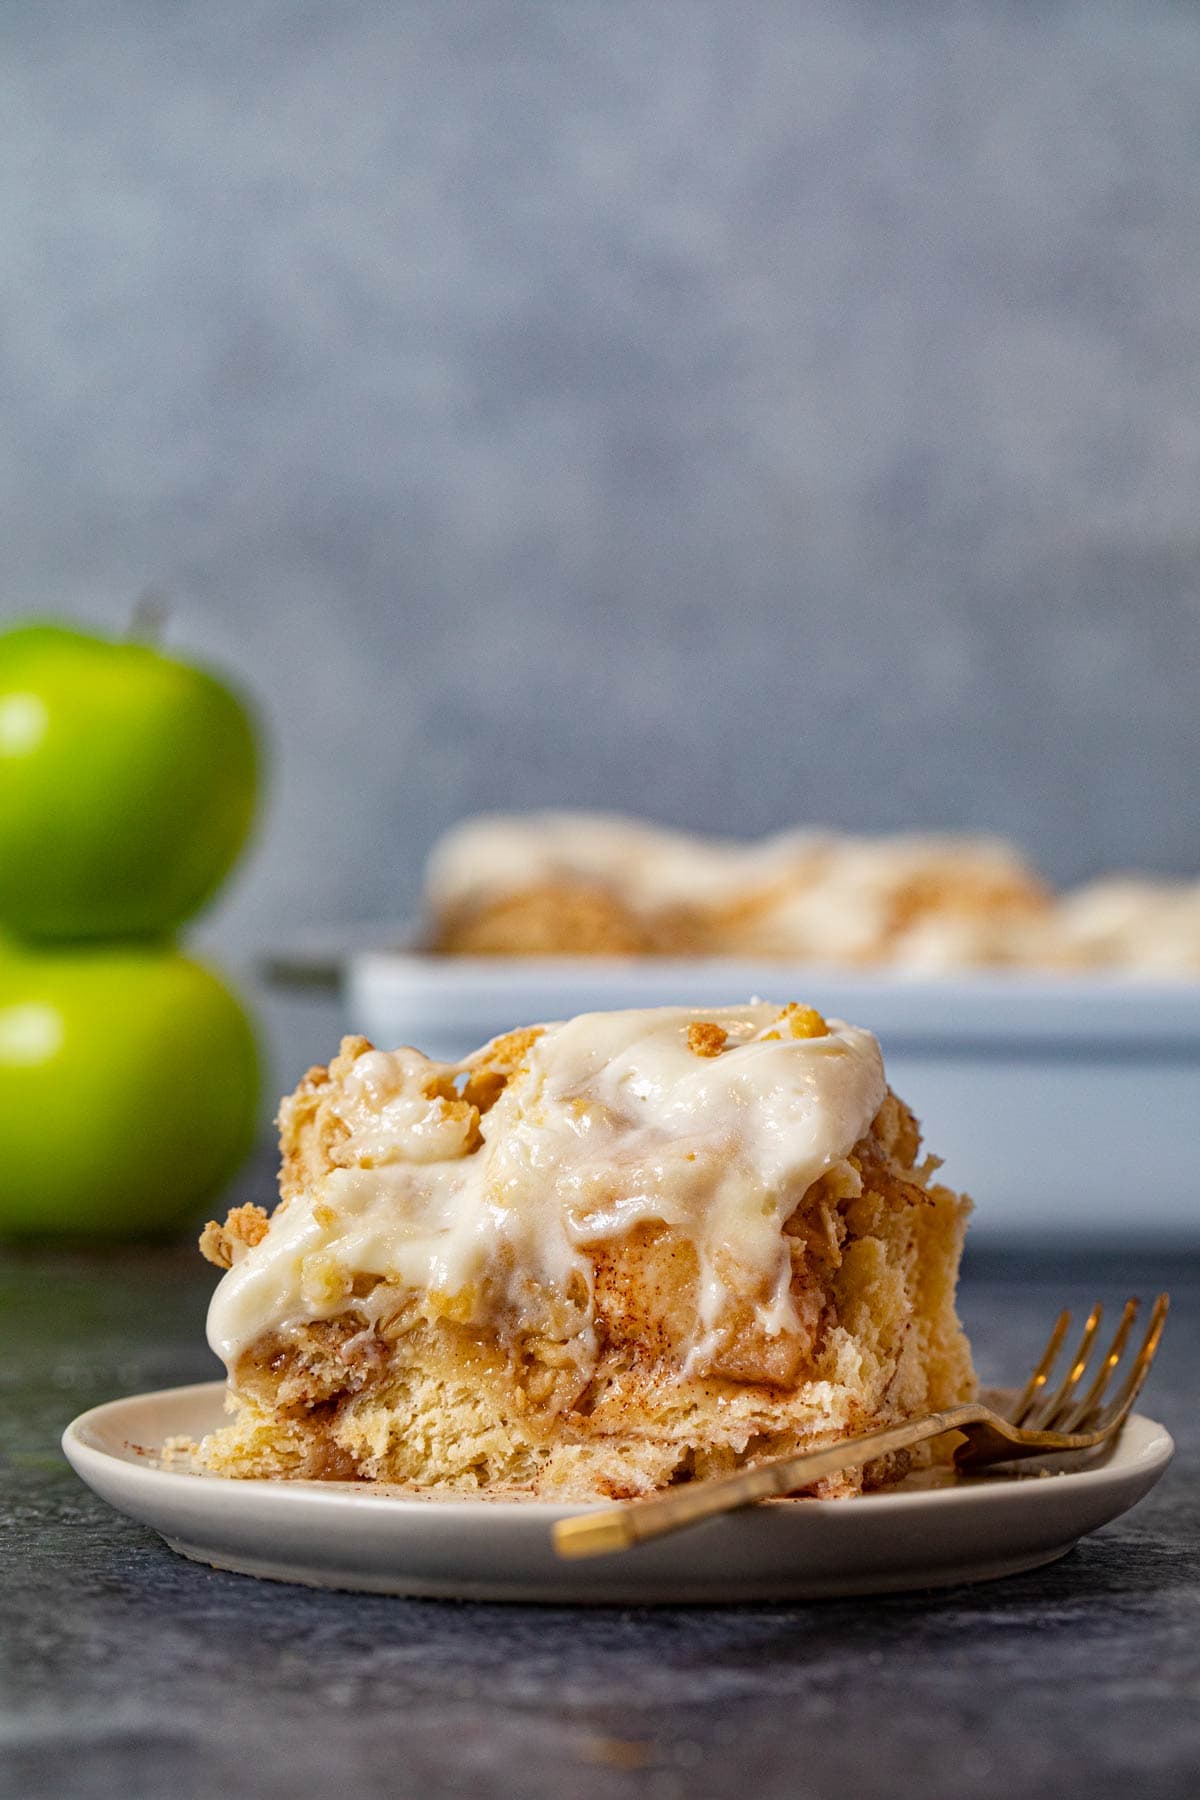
(129, 1672)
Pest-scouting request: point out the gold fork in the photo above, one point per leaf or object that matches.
(1038, 1423)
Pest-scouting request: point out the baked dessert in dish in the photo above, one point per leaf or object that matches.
(595, 1257)
(581, 884)
(576, 884)
(1129, 922)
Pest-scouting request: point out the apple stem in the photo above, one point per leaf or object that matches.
(149, 617)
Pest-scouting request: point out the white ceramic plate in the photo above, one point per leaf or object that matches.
(337, 1535)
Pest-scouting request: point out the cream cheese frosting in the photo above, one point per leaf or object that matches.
(714, 1122)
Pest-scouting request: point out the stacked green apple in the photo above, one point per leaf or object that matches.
(129, 1078)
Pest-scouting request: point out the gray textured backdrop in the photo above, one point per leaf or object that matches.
(740, 413)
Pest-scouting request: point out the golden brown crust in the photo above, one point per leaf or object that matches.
(491, 1069)
(246, 1225)
(896, 1132)
(706, 1038)
(956, 888)
(570, 917)
(310, 1131)
(804, 1021)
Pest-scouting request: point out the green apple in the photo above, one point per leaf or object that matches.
(127, 785)
(129, 1086)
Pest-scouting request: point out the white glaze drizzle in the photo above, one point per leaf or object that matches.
(613, 1121)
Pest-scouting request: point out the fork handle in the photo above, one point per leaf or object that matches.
(620, 1527)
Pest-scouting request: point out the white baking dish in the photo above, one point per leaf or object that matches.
(1067, 1107)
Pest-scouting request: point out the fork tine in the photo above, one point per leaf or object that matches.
(1091, 1400)
(1037, 1380)
(1123, 1404)
(1044, 1414)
